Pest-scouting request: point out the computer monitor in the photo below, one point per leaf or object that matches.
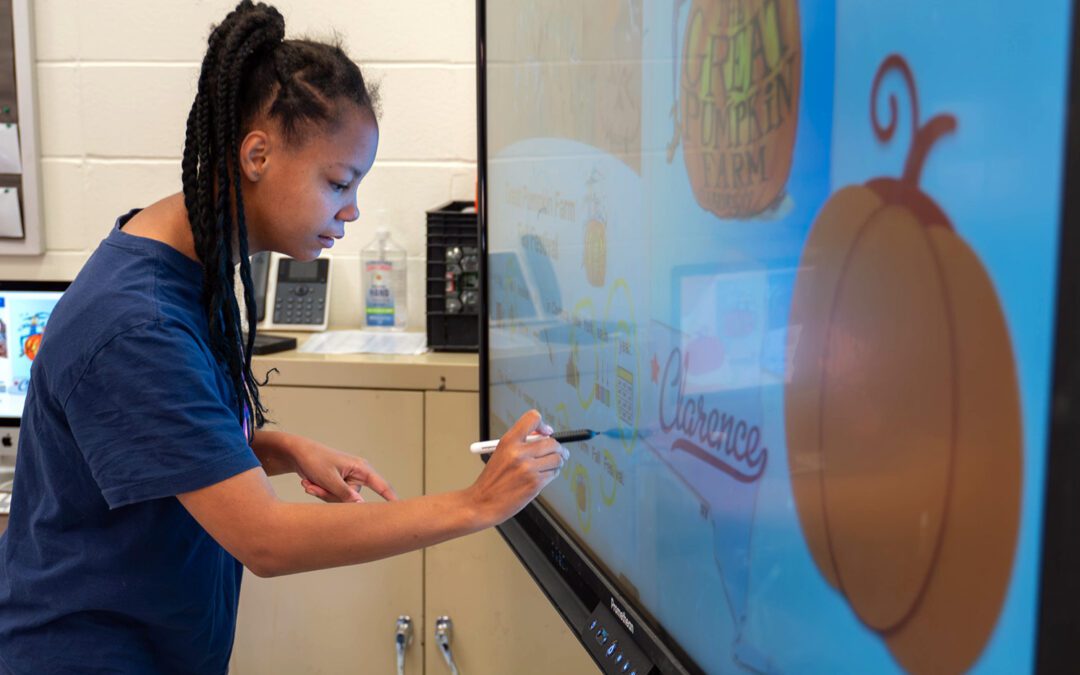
(25, 308)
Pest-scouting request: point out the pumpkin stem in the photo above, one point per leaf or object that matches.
(922, 138)
(893, 62)
(920, 146)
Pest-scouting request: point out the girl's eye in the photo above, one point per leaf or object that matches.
(339, 187)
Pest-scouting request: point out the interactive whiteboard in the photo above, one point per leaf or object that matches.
(796, 261)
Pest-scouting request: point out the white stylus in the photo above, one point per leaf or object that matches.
(484, 447)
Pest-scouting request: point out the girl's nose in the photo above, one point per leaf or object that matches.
(349, 213)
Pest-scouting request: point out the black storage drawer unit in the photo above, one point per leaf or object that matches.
(453, 278)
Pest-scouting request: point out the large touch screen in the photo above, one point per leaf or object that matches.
(795, 261)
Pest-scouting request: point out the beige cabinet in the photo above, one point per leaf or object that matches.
(413, 419)
(502, 623)
(340, 620)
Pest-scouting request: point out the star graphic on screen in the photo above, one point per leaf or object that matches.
(655, 369)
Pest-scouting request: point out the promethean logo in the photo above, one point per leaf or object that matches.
(622, 616)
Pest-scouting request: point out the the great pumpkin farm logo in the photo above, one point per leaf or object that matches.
(902, 412)
(738, 103)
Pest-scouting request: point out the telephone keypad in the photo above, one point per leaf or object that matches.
(300, 304)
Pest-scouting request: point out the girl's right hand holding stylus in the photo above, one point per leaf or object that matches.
(518, 469)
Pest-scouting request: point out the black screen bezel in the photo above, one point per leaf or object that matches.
(575, 584)
(1059, 584)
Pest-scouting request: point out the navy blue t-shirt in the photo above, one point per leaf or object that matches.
(102, 569)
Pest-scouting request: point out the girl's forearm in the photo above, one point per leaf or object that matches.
(272, 453)
(304, 537)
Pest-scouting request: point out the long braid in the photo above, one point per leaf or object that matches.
(225, 130)
(241, 368)
(249, 69)
(195, 175)
(252, 29)
(211, 141)
(246, 52)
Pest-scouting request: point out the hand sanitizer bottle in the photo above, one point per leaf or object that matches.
(382, 271)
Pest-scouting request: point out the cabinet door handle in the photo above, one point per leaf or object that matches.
(444, 634)
(403, 635)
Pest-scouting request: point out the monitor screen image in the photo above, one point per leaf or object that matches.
(25, 308)
(796, 263)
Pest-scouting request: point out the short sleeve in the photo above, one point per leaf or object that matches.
(150, 414)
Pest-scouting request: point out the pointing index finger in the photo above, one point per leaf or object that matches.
(377, 483)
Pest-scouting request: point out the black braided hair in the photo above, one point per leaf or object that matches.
(251, 69)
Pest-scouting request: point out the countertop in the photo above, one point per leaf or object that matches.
(434, 371)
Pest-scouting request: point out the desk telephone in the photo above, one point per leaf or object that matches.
(289, 294)
(297, 300)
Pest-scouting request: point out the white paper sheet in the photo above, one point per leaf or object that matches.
(10, 157)
(11, 224)
(365, 342)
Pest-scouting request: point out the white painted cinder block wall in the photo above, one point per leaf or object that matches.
(116, 79)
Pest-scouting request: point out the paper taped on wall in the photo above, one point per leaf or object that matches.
(11, 224)
(10, 159)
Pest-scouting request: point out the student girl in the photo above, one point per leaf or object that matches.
(141, 481)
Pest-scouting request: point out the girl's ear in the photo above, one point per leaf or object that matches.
(254, 155)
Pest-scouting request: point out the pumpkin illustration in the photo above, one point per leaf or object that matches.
(31, 346)
(738, 102)
(902, 413)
